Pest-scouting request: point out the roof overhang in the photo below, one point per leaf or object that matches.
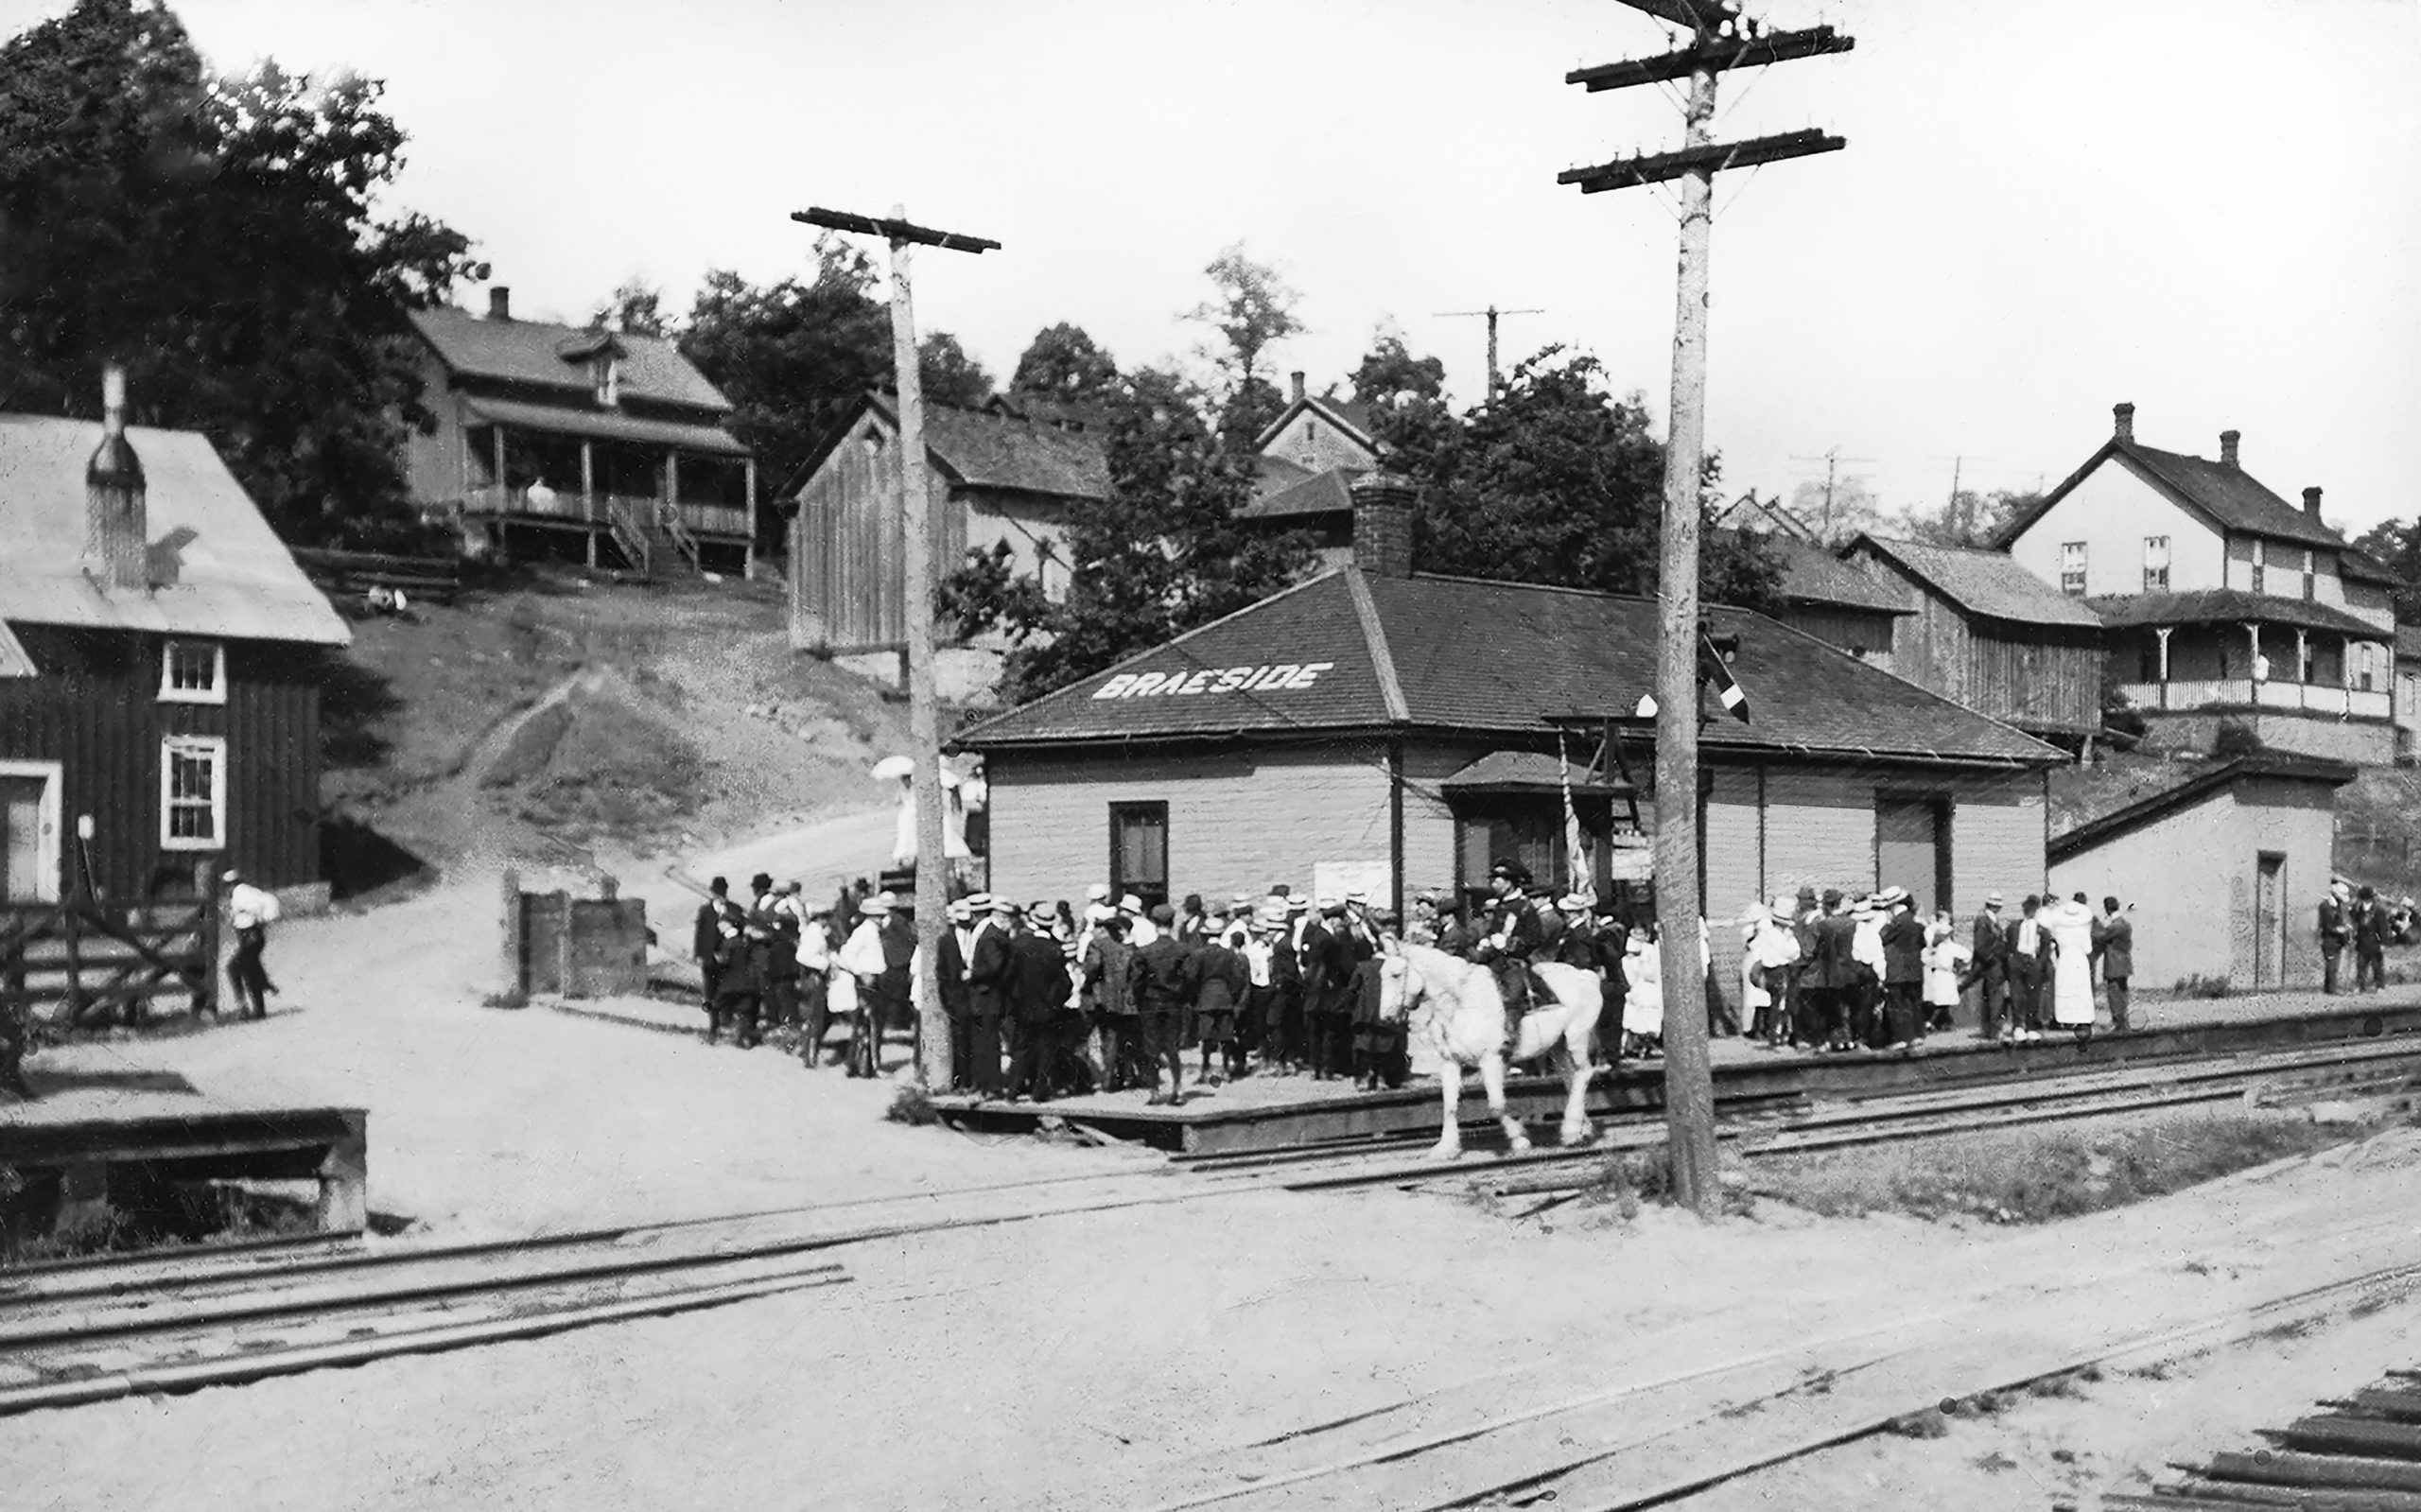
(2277, 766)
(606, 425)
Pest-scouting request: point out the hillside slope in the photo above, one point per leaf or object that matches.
(637, 720)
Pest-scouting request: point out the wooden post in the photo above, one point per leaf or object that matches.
(205, 892)
(748, 569)
(563, 945)
(589, 498)
(1689, 1087)
(516, 970)
(924, 717)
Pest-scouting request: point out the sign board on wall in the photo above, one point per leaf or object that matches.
(1376, 879)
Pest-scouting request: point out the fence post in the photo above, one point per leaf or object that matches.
(562, 949)
(517, 973)
(73, 917)
(207, 939)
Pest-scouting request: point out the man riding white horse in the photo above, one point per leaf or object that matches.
(1515, 936)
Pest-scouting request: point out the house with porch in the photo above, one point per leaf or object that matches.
(2220, 601)
(583, 444)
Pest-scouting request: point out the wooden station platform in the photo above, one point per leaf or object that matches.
(1262, 1112)
(85, 1123)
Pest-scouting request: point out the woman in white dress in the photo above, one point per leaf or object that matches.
(1946, 958)
(1644, 1002)
(2071, 926)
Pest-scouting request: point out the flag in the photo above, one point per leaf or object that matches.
(1713, 671)
(1583, 875)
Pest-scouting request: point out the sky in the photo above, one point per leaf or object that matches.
(2208, 208)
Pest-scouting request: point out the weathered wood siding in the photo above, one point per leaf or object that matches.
(1867, 633)
(2039, 678)
(96, 711)
(847, 544)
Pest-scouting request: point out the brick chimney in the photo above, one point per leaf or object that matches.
(1383, 524)
(499, 303)
(1297, 377)
(2227, 446)
(2124, 418)
(114, 527)
(2312, 504)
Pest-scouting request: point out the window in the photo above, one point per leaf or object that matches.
(606, 372)
(193, 671)
(2310, 574)
(2366, 663)
(2072, 568)
(2260, 560)
(1138, 851)
(2155, 563)
(193, 792)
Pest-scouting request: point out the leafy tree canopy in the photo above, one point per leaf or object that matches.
(218, 236)
(947, 374)
(2397, 546)
(637, 306)
(1062, 363)
(1389, 374)
(1251, 308)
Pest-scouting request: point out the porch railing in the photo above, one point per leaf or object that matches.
(2244, 692)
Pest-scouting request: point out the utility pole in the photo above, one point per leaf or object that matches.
(1719, 38)
(1832, 461)
(916, 597)
(1491, 313)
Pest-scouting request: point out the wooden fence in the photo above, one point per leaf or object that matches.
(85, 963)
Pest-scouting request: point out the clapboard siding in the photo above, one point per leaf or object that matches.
(1237, 822)
(2039, 678)
(1429, 856)
(98, 713)
(849, 540)
(1869, 635)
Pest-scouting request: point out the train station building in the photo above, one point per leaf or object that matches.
(1388, 731)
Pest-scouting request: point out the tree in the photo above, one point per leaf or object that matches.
(2396, 543)
(1557, 482)
(1064, 364)
(216, 237)
(1251, 308)
(1968, 519)
(635, 306)
(1838, 509)
(1406, 395)
(950, 375)
(1161, 555)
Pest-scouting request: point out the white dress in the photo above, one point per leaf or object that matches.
(1944, 959)
(1643, 1003)
(2071, 927)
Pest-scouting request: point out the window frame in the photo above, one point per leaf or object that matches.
(2156, 563)
(171, 693)
(1120, 813)
(2073, 552)
(214, 748)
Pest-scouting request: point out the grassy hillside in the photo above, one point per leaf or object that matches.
(643, 719)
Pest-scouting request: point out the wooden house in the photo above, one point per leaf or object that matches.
(1992, 636)
(994, 478)
(1369, 728)
(158, 669)
(1839, 603)
(602, 446)
(2222, 600)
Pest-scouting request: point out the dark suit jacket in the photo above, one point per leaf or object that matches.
(2037, 966)
(1904, 949)
(987, 973)
(2114, 940)
(1836, 941)
(1992, 946)
(950, 975)
(1037, 988)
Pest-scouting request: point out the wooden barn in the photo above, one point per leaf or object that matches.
(1841, 603)
(994, 477)
(1380, 729)
(1991, 635)
(158, 669)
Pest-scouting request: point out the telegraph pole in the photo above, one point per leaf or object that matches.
(916, 573)
(1719, 38)
(1491, 313)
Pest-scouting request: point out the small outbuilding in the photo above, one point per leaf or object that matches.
(2225, 869)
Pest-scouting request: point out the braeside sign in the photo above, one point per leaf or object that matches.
(1192, 682)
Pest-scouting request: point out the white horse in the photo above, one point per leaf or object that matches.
(1454, 1006)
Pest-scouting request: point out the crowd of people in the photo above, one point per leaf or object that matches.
(1045, 999)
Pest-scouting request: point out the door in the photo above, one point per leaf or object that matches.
(28, 838)
(1912, 849)
(2269, 921)
(1139, 852)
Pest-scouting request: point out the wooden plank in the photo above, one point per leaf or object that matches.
(2353, 1436)
(2290, 1468)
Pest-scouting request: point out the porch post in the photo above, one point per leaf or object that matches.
(748, 567)
(2303, 654)
(588, 498)
(2254, 667)
(2163, 632)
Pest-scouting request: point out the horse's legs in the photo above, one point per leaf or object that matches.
(1450, 1134)
(1575, 1064)
(1491, 1076)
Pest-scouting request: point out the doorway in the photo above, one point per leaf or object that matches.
(28, 832)
(2270, 920)
(1913, 848)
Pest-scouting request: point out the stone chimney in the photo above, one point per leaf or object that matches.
(2312, 504)
(114, 527)
(1383, 524)
(2124, 418)
(1297, 394)
(2227, 446)
(499, 303)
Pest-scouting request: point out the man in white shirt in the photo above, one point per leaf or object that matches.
(250, 913)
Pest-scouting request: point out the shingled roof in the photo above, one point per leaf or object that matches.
(1350, 652)
(1328, 493)
(1352, 416)
(2222, 492)
(2191, 789)
(546, 354)
(1813, 575)
(1990, 583)
(2204, 606)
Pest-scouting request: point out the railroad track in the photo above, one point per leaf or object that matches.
(2361, 1453)
(91, 1332)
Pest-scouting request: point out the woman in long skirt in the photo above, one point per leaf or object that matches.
(2071, 927)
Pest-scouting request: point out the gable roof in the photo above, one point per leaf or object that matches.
(1328, 493)
(235, 579)
(986, 449)
(2360, 566)
(1989, 584)
(2191, 791)
(2228, 497)
(13, 660)
(1348, 652)
(1351, 416)
(1812, 575)
(1763, 516)
(556, 357)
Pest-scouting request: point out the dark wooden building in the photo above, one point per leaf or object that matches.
(158, 669)
(1991, 635)
(1841, 603)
